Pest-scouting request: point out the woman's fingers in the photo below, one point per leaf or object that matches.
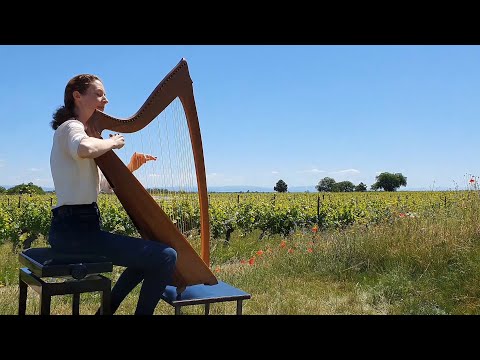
(146, 157)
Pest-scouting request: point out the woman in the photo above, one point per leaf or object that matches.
(75, 226)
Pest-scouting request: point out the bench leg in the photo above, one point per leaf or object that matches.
(45, 301)
(239, 307)
(207, 308)
(76, 304)
(178, 310)
(105, 308)
(22, 299)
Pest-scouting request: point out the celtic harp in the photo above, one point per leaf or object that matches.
(143, 202)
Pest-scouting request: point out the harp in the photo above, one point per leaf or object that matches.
(147, 215)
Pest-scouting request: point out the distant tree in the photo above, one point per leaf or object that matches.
(326, 184)
(2, 190)
(389, 182)
(29, 188)
(361, 187)
(281, 186)
(343, 186)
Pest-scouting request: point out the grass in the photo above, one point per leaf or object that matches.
(425, 264)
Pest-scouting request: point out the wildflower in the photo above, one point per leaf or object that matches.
(217, 269)
(310, 250)
(472, 180)
(290, 251)
(401, 215)
(243, 261)
(283, 244)
(315, 228)
(251, 261)
(260, 252)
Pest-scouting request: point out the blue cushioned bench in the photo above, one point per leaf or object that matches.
(204, 294)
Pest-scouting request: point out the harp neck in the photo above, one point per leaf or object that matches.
(177, 83)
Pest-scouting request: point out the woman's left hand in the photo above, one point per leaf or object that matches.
(138, 159)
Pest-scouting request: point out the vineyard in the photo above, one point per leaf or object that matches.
(298, 253)
(24, 218)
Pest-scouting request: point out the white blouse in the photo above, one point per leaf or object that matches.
(77, 180)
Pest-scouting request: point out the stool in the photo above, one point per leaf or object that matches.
(204, 294)
(81, 273)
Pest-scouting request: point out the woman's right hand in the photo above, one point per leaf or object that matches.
(118, 140)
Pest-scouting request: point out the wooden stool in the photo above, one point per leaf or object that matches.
(80, 274)
(204, 294)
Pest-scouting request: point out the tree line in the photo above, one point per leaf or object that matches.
(385, 181)
(29, 188)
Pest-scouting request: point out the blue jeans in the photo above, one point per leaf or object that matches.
(76, 229)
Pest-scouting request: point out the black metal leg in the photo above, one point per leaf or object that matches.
(105, 308)
(207, 308)
(45, 301)
(178, 310)
(22, 299)
(76, 304)
(239, 307)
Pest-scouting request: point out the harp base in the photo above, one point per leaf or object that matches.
(204, 295)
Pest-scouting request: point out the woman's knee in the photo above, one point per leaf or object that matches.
(170, 255)
(161, 255)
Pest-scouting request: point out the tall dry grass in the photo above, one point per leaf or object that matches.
(424, 263)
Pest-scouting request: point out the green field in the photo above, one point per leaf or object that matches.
(348, 253)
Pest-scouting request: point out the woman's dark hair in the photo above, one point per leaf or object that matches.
(79, 83)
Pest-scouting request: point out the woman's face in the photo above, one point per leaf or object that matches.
(94, 98)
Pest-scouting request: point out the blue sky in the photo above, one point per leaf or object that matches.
(297, 113)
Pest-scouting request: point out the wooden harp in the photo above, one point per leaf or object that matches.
(146, 214)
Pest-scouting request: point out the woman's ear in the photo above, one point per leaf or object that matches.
(76, 95)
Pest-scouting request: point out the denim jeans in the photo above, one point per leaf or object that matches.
(76, 229)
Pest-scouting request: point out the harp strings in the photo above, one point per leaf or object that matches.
(171, 179)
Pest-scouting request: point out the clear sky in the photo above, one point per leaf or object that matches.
(297, 113)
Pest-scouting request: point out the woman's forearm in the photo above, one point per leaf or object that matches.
(92, 147)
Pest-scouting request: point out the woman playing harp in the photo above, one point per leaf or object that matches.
(75, 226)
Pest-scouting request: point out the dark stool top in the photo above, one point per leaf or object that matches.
(46, 262)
